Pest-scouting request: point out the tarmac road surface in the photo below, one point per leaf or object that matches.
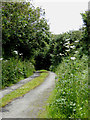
(31, 103)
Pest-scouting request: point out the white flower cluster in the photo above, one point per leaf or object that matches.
(67, 39)
(1, 58)
(68, 50)
(67, 46)
(76, 51)
(72, 58)
(61, 54)
(66, 43)
(16, 52)
(20, 53)
(77, 41)
(73, 46)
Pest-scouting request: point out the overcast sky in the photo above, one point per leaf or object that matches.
(63, 15)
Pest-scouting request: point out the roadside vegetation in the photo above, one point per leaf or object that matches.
(70, 99)
(31, 46)
(14, 70)
(70, 96)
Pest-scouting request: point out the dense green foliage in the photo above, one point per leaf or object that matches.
(26, 36)
(86, 32)
(64, 45)
(25, 30)
(14, 70)
(70, 98)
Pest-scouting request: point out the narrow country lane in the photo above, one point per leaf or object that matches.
(29, 105)
(17, 85)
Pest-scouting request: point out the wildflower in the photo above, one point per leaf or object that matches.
(80, 108)
(72, 46)
(77, 41)
(61, 54)
(66, 43)
(67, 39)
(73, 58)
(20, 53)
(1, 58)
(67, 46)
(76, 51)
(68, 50)
(16, 52)
(5, 61)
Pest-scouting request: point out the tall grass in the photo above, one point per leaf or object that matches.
(70, 99)
(14, 70)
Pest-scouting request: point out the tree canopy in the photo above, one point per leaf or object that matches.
(24, 29)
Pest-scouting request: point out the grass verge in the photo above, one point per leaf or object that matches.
(44, 113)
(23, 89)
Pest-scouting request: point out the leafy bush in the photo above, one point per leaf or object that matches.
(71, 91)
(14, 70)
